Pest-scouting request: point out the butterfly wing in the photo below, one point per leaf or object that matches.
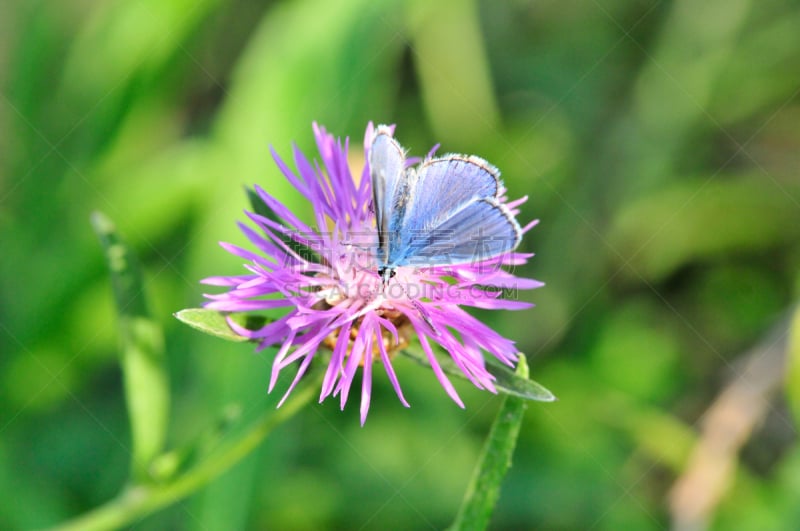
(444, 185)
(482, 229)
(455, 215)
(389, 186)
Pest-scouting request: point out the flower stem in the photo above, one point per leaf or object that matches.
(495, 460)
(137, 501)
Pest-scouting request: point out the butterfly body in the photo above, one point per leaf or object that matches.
(446, 211)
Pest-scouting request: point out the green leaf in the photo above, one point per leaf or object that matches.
(495, 460)
(215, 323)
(737, 214)
(506, 381)
(793, 369)
(512, 383)
(142, 350)
(457, 52)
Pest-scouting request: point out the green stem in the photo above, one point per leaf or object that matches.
(138, 501)
(495, 460)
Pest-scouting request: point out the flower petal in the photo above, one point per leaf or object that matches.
(437, 369)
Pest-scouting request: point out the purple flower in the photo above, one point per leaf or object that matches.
(326, 276)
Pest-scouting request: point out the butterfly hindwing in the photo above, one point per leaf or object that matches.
(481, 229)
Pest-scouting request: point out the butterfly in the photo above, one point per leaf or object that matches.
(446, 211)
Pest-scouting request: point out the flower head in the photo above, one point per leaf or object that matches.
(326, 275)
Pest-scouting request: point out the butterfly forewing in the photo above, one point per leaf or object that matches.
(446, 185)
(447, 212)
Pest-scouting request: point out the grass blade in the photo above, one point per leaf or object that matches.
(142, 352)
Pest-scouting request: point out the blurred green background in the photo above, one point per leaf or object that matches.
(659, 142)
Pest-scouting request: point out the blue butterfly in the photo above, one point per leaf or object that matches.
(446, 211)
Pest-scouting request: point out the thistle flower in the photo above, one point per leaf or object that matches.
(326, 276)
